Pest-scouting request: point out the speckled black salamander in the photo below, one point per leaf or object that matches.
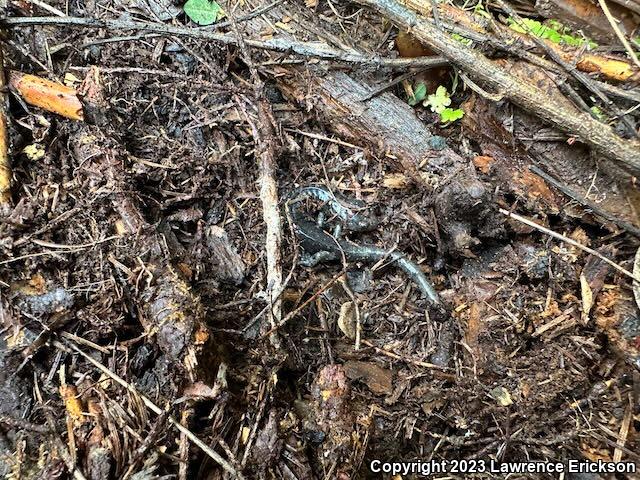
(348, 211)
(319, 246)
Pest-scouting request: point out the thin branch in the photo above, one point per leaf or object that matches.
(5, 165)
(305, 49)
(570, 241)
(569, 68)
(267, 150)
(586, 202)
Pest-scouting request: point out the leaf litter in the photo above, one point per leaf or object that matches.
(137, 237)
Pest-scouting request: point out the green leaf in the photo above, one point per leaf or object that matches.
(480, 10)
(553, 31)
(465, 41)
(439, 100)
(451, 115)
(203, 12)
(597, 112)
(419, 92)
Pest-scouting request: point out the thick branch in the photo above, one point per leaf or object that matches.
(528, 96)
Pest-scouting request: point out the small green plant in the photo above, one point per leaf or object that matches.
(553, 31)
(451, 115)
(203, 12)
(419, 93)
(479, 9)
(598, 113)
(438, 102)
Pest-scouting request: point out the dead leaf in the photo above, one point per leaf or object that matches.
(200, 390)
(377, 379)
(587, 298)
(347, 320)
(396, 181)
(502, 396)
(72, 402)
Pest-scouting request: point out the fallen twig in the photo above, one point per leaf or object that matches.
(266, 152)
(619, 34)
(475, 28)
(586, 202)
(570, 241)
(524, 94)
(395, 356)
(552, 50)
(305, 49)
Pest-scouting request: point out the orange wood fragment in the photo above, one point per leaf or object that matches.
(51, 96)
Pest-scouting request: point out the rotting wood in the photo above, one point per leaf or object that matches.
(385, 124)
(600, 137)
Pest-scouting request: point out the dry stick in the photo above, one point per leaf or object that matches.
(586, 202)
(266, 152)
(633, 5)
(513, 48)
(569, 68)
(619, 34)
(570, 241)
(306, 49)
(636, 272)
(153, 407)
(48, 8)
(524, 94)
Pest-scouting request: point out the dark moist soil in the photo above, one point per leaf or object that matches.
(138, 238)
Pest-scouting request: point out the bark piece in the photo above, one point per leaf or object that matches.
(227, 265)
(331, 407)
